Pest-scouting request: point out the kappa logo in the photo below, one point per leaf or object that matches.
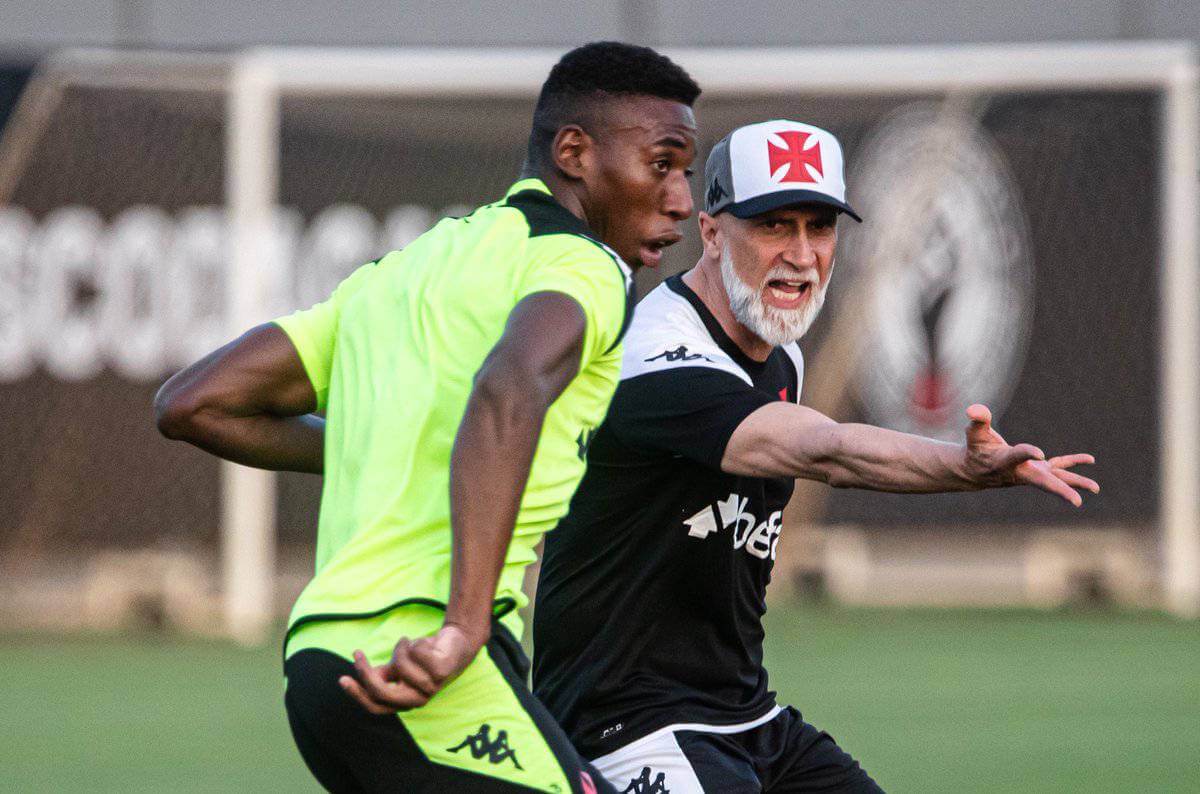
(678, 354)
(584, 441)
(715, 192)
(801, 163)
(642, 784)
(758, 539)
(482, 745)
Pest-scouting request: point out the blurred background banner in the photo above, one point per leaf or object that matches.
(152, 205)
(173, 172)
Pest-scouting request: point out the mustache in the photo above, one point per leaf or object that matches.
(781, 273)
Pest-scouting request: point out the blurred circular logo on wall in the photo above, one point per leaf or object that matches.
(940, 272)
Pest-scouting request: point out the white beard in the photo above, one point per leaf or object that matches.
(771, 324)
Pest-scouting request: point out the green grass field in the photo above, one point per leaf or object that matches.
(929, 701)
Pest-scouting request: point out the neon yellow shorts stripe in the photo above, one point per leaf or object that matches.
(476, 723)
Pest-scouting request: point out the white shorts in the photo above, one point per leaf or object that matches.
(779, 751)
(655, 763)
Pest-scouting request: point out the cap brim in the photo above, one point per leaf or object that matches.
(786, 198)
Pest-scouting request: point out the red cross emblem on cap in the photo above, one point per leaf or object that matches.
(795, 157)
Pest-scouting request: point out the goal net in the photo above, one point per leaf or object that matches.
(1029, 243)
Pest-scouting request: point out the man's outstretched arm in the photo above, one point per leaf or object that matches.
(535, 360)
(250, 402)
(787, 440)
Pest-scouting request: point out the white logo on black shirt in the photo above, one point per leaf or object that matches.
(758, 539)
(611, 730)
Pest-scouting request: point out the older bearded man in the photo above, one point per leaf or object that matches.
(647, 631)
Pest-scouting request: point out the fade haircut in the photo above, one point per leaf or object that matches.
(590, 75)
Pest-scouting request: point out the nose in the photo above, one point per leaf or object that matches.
(800, 253)
(677, 203)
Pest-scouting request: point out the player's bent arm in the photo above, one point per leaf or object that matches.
(250, 402)
(535, 360)
(788, 440)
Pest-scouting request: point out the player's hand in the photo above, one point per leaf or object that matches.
(416, 672)
(992, 462)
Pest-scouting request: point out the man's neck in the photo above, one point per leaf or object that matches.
(562, 191)
(705, 280)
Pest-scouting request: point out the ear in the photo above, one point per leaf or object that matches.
(572, 151)
(711, 236)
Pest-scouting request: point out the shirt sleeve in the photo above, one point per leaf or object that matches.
(313, 331)
(686, 411)
(593, 278)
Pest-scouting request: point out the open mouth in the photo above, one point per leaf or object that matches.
(789, 292)
(652, 249)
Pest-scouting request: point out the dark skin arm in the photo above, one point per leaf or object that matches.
(249, 402)
(533, 363)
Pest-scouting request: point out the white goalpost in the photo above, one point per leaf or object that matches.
(1181, 353)
(256, 86)
(248, 495)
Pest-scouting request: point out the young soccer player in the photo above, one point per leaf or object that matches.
(461, 379)
(648, 631)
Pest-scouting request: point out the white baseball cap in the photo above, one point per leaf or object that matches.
(772, 164)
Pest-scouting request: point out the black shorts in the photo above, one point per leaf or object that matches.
(485, 732)
(781, 754)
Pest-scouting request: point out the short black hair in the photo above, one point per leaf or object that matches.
(589, 75)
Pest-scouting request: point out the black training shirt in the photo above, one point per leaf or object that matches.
(651, 595)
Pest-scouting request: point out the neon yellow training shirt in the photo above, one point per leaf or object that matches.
(392, 355)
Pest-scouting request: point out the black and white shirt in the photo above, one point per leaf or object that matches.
(651, 595)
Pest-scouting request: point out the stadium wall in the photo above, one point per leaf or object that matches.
(30, 28)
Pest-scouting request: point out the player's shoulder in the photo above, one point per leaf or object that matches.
(577, 249)
(667, 334)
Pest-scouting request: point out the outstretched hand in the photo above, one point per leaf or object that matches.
(992, 462)
(416, 672)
